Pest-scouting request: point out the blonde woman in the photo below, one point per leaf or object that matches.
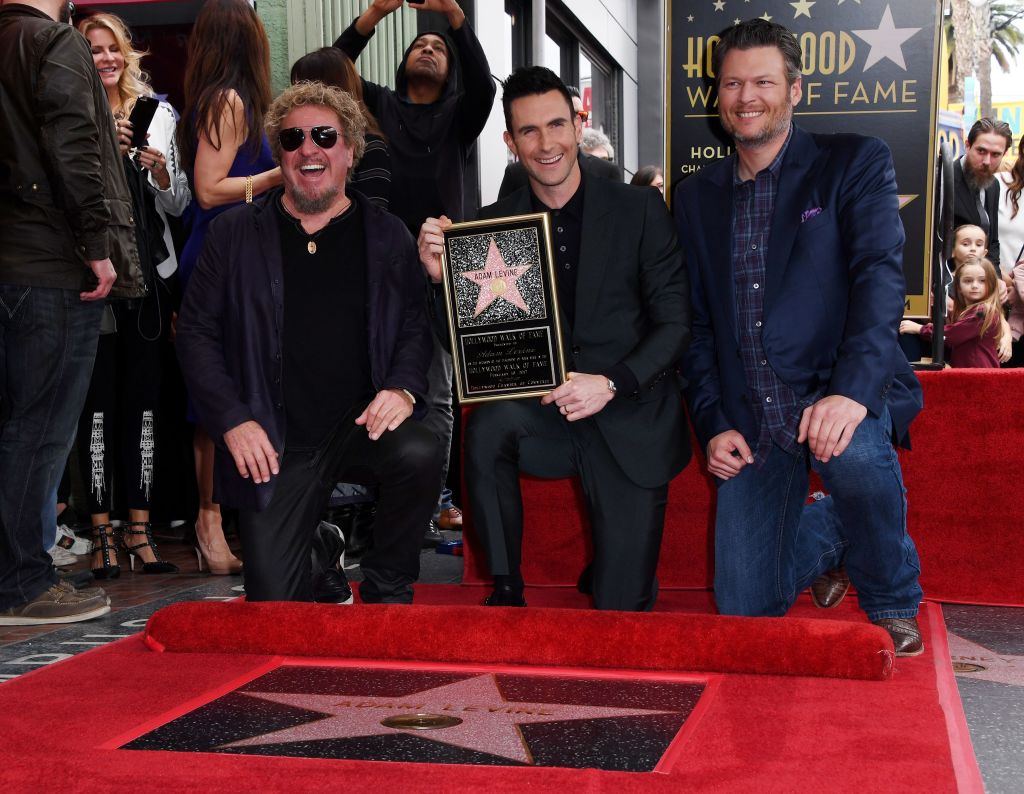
(117, 428)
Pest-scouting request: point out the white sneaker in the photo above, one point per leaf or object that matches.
(61, 556)
(70, 541)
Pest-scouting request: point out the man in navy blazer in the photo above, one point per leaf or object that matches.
(304, 343)
(794, 251)
(618, 421)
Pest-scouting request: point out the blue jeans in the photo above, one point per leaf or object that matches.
(770, 545)
(47, 347)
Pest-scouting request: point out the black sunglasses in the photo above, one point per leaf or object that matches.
(292, 138)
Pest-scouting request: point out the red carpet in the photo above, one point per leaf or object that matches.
(964, 512)
(769, 732)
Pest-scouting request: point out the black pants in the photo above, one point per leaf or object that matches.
(276, 542)
(626, 520)
(116, 431)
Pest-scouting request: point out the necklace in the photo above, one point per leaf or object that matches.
(311, 241)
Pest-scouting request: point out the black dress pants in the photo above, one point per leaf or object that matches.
(504, 438)
(276, 542)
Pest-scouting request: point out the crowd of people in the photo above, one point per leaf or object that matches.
(304, 310)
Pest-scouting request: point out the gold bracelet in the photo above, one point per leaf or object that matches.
(248, 190)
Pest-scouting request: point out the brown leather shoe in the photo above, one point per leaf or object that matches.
(830, 588)
(451, 518)
(905, 633)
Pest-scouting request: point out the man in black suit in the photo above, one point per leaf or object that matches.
(617, 422)
(975, 189)
(515, 174)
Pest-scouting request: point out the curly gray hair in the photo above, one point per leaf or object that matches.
(352, 124)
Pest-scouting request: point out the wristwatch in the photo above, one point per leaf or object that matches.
(611, 386)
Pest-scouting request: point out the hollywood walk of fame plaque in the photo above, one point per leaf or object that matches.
(502, 305)
(434, 716)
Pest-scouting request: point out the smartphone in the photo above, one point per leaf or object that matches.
(141, 118)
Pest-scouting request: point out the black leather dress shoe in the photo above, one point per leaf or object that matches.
(905, 633)
(432, 538)
(830, 588)
(505, 596)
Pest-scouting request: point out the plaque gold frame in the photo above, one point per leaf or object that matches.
(542, 223)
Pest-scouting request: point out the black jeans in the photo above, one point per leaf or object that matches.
(276, 542)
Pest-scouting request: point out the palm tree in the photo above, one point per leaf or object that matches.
(964, 25)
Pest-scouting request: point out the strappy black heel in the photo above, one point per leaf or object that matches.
(103, 544)
(159, 565)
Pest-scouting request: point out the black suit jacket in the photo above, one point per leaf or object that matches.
(229, 331)
(515, 173)
(632, 308)
(965, 210)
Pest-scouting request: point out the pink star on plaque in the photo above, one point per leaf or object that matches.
(497, 280)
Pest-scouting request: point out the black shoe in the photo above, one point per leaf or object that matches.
(129, 534)
(332, 587)
(432, 538)
(505, 596)
(585, 582)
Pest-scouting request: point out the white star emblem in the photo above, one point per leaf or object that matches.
(719, 5)
(690, 18)
(766, 17)
(803, 7)
(886, 41)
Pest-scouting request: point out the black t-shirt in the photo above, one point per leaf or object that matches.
(326, 341)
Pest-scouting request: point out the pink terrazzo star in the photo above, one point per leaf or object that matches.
(497, 280)
(489, 723)
(1002, 668)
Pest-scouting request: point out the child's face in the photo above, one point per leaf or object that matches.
(970, 242)
(972, 283)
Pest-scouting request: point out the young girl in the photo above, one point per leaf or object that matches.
(978, 323)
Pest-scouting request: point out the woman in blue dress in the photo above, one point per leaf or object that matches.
(227, 92)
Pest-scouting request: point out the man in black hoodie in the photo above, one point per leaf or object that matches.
(443, 99)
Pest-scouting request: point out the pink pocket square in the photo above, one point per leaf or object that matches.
(811, 213)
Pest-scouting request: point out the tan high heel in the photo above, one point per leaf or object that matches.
(217, 564)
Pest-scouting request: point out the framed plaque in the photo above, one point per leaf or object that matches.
(502, 304)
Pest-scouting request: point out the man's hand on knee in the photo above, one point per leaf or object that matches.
(254, 455)
(386, 411)
(829, 424)
(728, 453)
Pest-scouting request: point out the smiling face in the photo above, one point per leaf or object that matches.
(314, 178)
(428, 59)
(545, 134)
(755, 100)
(107, 56)
(970, 244)
(972, 283)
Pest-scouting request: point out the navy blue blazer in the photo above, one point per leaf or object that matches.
(229, 331)
(834, 289)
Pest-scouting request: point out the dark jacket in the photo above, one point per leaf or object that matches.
(833, 291)
(632, 310)
(230, 329)
(430, 144)
(63, 196)
(965, 210)
(515, 173)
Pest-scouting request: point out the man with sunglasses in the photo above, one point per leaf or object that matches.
(67, 242)
(304, 342)
(515, 174)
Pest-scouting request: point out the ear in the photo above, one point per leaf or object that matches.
(578, 124)
(796, 91)
(510, 143)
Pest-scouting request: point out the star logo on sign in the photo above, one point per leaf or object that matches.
(497, 280)
(766, 17)
(719, 5)
(886, 41)
(483, 720)
(803, 7)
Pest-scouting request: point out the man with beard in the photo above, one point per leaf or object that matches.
(65, 222)
(975, 190)
(794, 251)
(304, 343)
(442, 98)
(617, 422)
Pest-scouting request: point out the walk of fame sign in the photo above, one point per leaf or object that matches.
(455, 717)
(502, 308)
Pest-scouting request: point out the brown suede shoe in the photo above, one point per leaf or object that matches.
(830, 588)
(905, 633)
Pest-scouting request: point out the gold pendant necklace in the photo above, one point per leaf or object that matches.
(311, 247)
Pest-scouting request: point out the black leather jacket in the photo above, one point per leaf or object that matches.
(63, 196)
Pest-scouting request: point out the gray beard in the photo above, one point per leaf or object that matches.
(312, 205)
(973, 182)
